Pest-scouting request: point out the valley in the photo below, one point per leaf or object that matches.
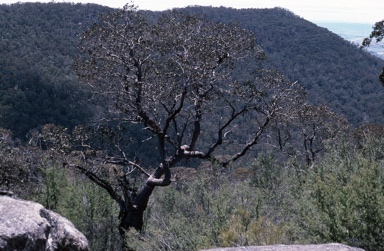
(354, 33)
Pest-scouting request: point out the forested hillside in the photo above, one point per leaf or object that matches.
(38, 45)
(37, 48)
(335, 72)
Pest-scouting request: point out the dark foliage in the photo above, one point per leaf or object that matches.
(37, 47)
(38, 44)
(377, 35)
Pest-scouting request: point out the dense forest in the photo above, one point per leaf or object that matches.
(38, 46)
(314, 178)
(333, 70)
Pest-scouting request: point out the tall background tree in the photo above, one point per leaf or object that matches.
(377, 35)
(195, 86)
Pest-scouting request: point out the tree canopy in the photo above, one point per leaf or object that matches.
(378, 35)
(176, 78)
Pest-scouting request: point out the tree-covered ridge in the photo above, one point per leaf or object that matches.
(335, 72)
(38, 44)
(47, 29)
(37, 48)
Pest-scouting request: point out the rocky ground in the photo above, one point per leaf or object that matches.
(28, 226)
(322, 247)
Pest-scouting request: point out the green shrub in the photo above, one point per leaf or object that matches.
(347, 195)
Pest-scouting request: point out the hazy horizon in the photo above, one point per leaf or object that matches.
(352, 11)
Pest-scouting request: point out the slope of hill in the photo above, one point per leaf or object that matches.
(334, 71)
(38, 45)
(37, 48)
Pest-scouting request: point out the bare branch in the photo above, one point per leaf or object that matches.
(219, 140)
(251, 143)
(124, 161)
(98, 181)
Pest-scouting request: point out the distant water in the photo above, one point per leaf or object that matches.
(355, 33)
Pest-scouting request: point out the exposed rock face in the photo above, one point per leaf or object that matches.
(28, 226)
(322, 247)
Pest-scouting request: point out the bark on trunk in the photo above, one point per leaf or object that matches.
(132, 215)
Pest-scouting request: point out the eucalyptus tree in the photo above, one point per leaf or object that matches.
(377, 35)
(319, 126)
(194, 85)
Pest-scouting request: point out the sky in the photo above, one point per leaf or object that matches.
(351, 11)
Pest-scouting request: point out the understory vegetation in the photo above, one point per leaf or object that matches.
(340, 199)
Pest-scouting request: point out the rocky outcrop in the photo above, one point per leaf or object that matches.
(28, 226)
(321, 247)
